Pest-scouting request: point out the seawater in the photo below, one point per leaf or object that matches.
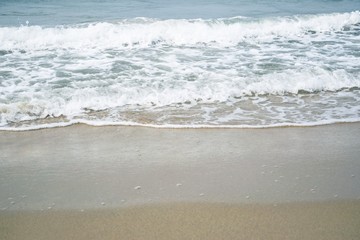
(205, 63)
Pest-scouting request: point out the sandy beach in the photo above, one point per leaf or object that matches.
(325, 220)
(181, 119)
(83, 182)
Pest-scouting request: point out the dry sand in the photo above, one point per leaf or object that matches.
(84, 182)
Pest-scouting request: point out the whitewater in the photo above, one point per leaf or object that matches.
(243, 72)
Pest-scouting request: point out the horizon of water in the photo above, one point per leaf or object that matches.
(179, 64)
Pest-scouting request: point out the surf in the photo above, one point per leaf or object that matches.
(239, 71)
(147, 32)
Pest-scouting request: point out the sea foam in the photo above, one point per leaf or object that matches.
(278, 71)
(143, 32)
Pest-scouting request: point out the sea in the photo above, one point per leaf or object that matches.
(179, 63)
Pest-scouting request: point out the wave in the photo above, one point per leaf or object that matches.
(144, 32)
(233, 72)
(175, 126)
(54, 102)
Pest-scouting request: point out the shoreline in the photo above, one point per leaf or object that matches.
(173, 126)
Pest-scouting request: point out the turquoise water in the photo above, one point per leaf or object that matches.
(53, 12)
(179, 63)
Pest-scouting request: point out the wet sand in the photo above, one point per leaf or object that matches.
(143, 183)
(327, 220)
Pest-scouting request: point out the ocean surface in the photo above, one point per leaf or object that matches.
(179, 63)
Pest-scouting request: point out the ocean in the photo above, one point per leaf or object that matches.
(179, 63)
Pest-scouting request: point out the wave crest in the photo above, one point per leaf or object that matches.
(143, 32)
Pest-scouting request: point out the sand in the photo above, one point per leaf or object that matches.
(84, 182)
(328, 220)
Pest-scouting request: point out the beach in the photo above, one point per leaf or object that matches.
(83, 182)
(326, 220)
(179, 119)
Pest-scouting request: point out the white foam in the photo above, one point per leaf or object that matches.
(292, 81)
(173, 32)
(80, 105)
(98, 123)
(181, 73)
